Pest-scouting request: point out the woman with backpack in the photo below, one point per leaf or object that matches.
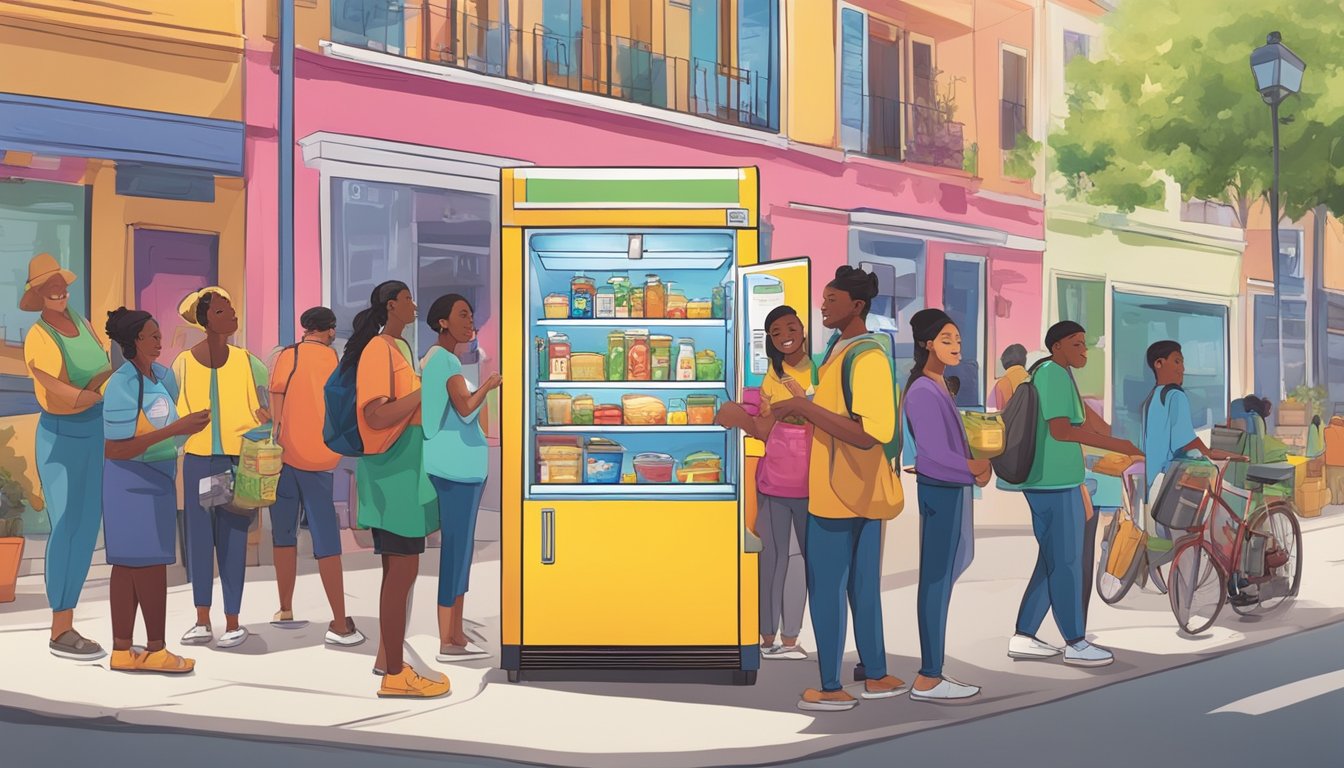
(231, 385)
(140, 491)
(781, 482)
(946, 472)
(852, 488)
(395, 498)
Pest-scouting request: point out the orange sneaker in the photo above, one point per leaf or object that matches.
(126, 661)
(826, 701)
(166, 662)
(884, 688)
(411, 685)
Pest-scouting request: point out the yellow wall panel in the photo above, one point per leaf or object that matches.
(811, 79)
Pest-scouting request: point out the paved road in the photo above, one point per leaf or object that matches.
(1283, 703)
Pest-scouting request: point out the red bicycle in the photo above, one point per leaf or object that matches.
(1243, 547)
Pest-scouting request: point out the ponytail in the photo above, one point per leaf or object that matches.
(370, 321)
(925, 325)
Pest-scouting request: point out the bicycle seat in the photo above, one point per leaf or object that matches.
(1270, 474)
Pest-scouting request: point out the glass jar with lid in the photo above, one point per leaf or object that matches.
(582, 297)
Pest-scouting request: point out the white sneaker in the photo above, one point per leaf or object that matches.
(1025, 647)
(789, 652)
(355, 637)
(946, 690)
(1085, 654)
(198, 635)
(232, 638)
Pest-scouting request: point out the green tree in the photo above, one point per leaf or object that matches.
(1175, 93)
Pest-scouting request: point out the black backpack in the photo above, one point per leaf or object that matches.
(1021, 419)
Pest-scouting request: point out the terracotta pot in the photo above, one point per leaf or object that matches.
(11, 555)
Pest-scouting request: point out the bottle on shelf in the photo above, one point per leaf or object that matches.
(686, 360)
(655, 297)
(661, 348)
(717, 300)
(582, 297)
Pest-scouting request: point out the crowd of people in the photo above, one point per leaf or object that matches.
(108, 445)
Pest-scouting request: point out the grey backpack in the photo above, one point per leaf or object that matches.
(1021, 419)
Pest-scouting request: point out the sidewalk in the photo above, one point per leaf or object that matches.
(285, 684)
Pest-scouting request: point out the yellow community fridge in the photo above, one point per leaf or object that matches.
(624, 545)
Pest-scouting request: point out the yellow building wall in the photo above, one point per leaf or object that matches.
(1000, 25)
(159, 55)
(812, 107)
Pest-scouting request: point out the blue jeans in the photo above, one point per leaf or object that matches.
(1057, 518)
(70, 469)
(458, 503)
(213, 534)
(843, 560)
(941, 511)
(313, 491)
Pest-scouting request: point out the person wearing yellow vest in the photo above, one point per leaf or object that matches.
(230, 383)
(852, 489)
(69, 365)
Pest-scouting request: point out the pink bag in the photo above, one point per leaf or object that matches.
(782, 472)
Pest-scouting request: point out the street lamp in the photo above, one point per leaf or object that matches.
(1278, 75)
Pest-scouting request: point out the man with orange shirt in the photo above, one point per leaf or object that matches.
(306, 479)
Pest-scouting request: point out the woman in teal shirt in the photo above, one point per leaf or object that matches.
(455, 459)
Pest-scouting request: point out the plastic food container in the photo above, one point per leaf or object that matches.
(559, 460)
(608, 415)
(708, 366)
(602, 462)
(587, 366)
(654, 467)
(700, 409)
(582, 410)
(701, 467)
(557, 306)
(699, 309)
(559, 410)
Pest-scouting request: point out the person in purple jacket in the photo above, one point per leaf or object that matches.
(945, 473)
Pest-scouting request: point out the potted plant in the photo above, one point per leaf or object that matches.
(1310, 399)
(11, 534)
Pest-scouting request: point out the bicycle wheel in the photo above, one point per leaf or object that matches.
(1278, 521)
(1114, 583)
(1197, 587)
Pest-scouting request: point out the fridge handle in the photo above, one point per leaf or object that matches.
(548, 537)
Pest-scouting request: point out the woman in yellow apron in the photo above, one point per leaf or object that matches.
(69, 366)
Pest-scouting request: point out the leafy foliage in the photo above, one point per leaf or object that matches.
(1020, 161)
(1175, 93)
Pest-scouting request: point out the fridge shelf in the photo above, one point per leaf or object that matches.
(633, 490)
(632, 428)
(626, 322)
(641, 385)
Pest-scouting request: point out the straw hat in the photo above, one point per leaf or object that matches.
(42, 268)
(187, 309)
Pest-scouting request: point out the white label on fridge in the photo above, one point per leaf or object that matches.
(766, 294)
(738, 217)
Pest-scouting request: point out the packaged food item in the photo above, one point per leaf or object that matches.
(643, 410)
(587, 366)
(655, 297)
(636, 302)
(699, 309)
(543, 359)
(700, 409)
(685, 360)
(606, 302)
(676, 412)
(616, 356)
(629, 478)
(984, 434)
(581, 411)
(661, 358)
(556, 306)
(654, 467)
(638, 365)
(708, 366)
(557, 347)
(559, 460)
(582, 297)
(717, 302)
(608, 415)
(701, 467)
(559, 409)
(620, 288)
(676, 304)
(603, 460)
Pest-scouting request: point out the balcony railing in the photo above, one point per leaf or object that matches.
(583, 61)
(914, 133)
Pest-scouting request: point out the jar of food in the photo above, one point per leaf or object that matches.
(558, 353)
(559, 409)
(686, 360)
(661, 357)
(717, 302)
(582, 297)
(616, 356)
(636, 302)
(638, 363)
(581, 411)
(676, 412)
(655, 297)
(606, 302)
(708, 366)
(556, 306)
(654, 467)
(676, 304)
(620, 288)
(700, 409)
(699, 309)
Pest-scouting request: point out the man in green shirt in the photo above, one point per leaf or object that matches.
(1054, 491)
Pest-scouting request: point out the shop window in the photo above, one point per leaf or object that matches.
(1267, 346)
(1075, 44)
(437, 241)
(1084, 302)
(374, 24)
(1201, 330)
(1291, 280)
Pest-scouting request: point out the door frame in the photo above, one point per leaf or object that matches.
(982, 326)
